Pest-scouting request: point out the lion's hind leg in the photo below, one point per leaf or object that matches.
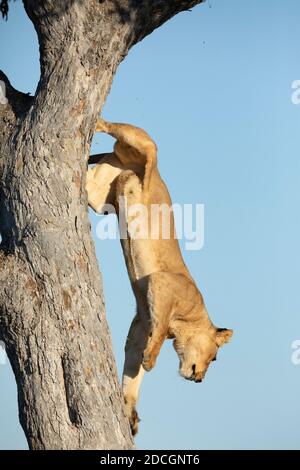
(100, 184)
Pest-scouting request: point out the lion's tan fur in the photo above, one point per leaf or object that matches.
(169, 305)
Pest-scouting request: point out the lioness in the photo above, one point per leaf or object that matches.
(169, 305)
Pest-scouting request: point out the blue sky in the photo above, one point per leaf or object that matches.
(213, 88)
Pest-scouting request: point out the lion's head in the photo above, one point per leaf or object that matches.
(196, 349)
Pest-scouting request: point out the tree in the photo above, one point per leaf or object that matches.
(52, 317)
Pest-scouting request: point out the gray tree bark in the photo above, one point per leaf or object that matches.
(51, 301)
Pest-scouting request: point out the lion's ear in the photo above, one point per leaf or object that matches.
(223, 336)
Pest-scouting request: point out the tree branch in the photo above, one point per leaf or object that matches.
(13, 106)
(147, 15)
(18, 102)
(158, 12)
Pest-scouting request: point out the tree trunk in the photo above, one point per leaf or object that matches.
(51, 302)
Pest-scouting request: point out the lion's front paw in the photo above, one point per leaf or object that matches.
(134, 421)
(148, 361)
(131, 414)
(101, 125)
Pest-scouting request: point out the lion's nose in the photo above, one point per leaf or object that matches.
(199, 376)
(196, 376)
